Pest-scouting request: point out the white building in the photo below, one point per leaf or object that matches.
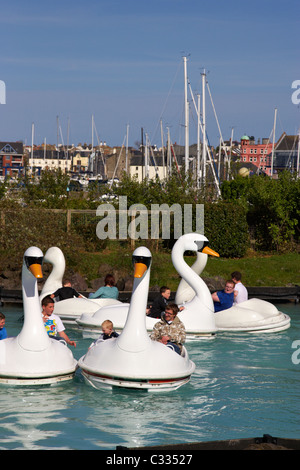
(40, 160)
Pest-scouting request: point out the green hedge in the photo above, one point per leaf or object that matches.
(226, 228)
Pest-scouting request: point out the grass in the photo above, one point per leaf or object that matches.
(266, 270)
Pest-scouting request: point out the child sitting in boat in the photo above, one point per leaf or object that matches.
(108, 332)
(65, 292)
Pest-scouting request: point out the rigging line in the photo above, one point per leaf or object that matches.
(175, 159)
(212, 158)
(291, 152)
(154, 163)
(98, 143)
(115, 170)
(214, 109)
(279, 120)
(206, 144)
(165, 104)
(264, 150)
(62, 139)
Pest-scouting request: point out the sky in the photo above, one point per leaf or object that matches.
(121, 61)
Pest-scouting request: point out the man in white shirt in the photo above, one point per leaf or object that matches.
(240, 291)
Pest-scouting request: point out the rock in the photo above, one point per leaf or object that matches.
(215, 283)
(128, 284)
(96, 283)
(11, 279)
(120, 284)
(105, 269)
(265, 446)
(78, 282)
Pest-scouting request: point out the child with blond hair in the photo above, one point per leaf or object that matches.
(108, 332)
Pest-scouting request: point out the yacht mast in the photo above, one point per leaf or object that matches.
(298, 154)
(126, 155)
(162, 149)
(32, 139)
(198, 145)
(274, 126)
(186, 112)
(203, 126)
(146, 158)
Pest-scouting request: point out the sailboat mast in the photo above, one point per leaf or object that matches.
(146, 158)
(203, 126)
(162, 149)
(186, 112)
(68, 136)
(298, 154)
(198, 145)
(126, 154)
(32, 139)
(273, 145)
(92, 132)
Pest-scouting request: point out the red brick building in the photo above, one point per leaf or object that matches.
(259, 154)
(11, 158)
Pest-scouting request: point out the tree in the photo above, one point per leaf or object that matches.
(49, 191)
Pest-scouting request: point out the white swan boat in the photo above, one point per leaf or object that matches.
(69, 309)
(251, 316)
(198, 315)
(32, 357)
(133, 360)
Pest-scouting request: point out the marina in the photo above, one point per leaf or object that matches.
(243, 386)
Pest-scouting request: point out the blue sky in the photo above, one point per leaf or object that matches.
(121, 61)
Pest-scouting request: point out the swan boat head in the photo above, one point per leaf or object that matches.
(32, 357)
(54, 256)
(133, 360)
(198, 313)
(69, 309)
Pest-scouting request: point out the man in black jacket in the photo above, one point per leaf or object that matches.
(159, 304)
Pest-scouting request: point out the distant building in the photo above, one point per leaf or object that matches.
(286, 153)
(115, 162)
(11, 158)
(258, 154)
(81, 160)
(157, 165)
(47, 159)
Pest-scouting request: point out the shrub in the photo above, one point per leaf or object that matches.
(225, 226)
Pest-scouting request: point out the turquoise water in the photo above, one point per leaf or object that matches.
(244, 386)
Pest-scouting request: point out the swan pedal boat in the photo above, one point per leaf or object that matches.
(32, 357)
(69, 310)
(250, 316)
(133, 360)
(198, 314)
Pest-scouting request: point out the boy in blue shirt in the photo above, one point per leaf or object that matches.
(3, 333)
(224, 299)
